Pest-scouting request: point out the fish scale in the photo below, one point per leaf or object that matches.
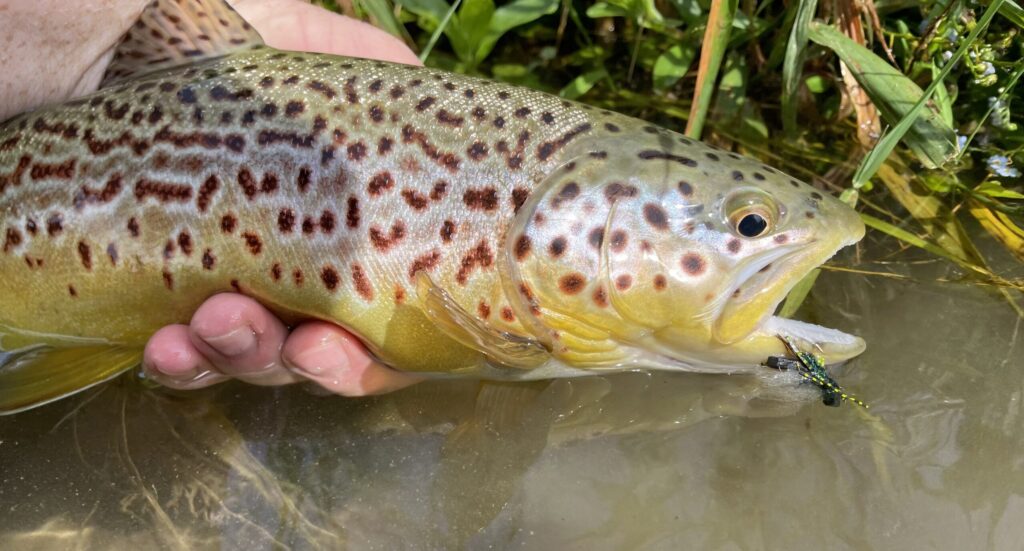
(450, 222)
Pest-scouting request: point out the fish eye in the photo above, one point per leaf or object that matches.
(752, 225)
(752, 220)
(751, 213)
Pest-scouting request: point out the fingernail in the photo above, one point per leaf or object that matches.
(233, 343)
(327, 356)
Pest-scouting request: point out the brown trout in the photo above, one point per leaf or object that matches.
(458, 226)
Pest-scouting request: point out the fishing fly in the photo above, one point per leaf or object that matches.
(812, 368)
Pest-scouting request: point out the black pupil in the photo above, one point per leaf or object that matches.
(752, 225)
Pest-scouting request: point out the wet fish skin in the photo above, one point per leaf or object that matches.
(336, 188)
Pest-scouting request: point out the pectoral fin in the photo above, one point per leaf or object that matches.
(502, 349)
(40, 375)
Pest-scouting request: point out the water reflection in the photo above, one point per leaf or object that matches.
(646, 461)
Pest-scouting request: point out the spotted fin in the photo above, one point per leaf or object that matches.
(502, 349)
(40, 375)
(170, 33)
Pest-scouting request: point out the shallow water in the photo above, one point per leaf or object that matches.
(634, 461)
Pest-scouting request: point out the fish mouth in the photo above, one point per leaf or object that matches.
(745, 316)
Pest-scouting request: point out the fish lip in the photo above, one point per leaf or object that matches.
(835, 345)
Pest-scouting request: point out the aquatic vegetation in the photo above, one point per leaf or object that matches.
(907, 110)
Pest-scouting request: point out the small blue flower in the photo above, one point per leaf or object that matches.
(1000, 165)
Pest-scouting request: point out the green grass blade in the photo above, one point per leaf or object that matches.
(793, 64)
(382, 14)
(884, 147)
(1013, 11)
(798, 294)
(895, 96)
(716, 39)
(910, 239)
(441, 26)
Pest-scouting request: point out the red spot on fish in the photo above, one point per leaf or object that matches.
(12, 239)
(165, 192)
(185, 243)
(693, 264)
(414, 199)
(508, 315)
(519, 196)
(484, 310)
(304, 179)
(206, 192)
(447, 231)
(440, 188)
(480, 256)
(85, 254)
(228, 223)
(133, 227)
(379, 183)
(656, 216)
(208, 259)
(623, 282)
(660, 282)
(361, 283)
(558, 246)
(382, 241)
(481, 198)
(352, 214)
(327, 221)
(286, 220)
(57, 171)
(572, 283)
(522, 247)
(600, 297)
(168, 280)
(425, 262)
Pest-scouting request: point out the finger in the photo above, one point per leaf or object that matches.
(241, 338)
(171, 360)
(331, 357)
(293, 25)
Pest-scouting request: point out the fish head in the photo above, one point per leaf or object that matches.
(666, 253)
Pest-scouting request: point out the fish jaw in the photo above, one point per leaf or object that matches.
(749, 325)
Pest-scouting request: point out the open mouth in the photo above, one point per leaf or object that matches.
(758, 290)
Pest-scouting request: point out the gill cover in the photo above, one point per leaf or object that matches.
(592, 256)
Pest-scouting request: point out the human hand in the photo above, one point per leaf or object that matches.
(230, 335)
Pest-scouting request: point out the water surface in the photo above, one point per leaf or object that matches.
(633, 461)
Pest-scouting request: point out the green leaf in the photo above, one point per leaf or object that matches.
(816, 84)
(995, 189)
(672, 65)
(473, 21)
(583, 83)
(510, 16)
(603, 9)
(431, 12)
(793, 64)
(895, 96)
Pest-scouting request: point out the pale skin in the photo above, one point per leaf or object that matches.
(50, 52)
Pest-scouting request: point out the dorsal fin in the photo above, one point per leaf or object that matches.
(170, 33)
